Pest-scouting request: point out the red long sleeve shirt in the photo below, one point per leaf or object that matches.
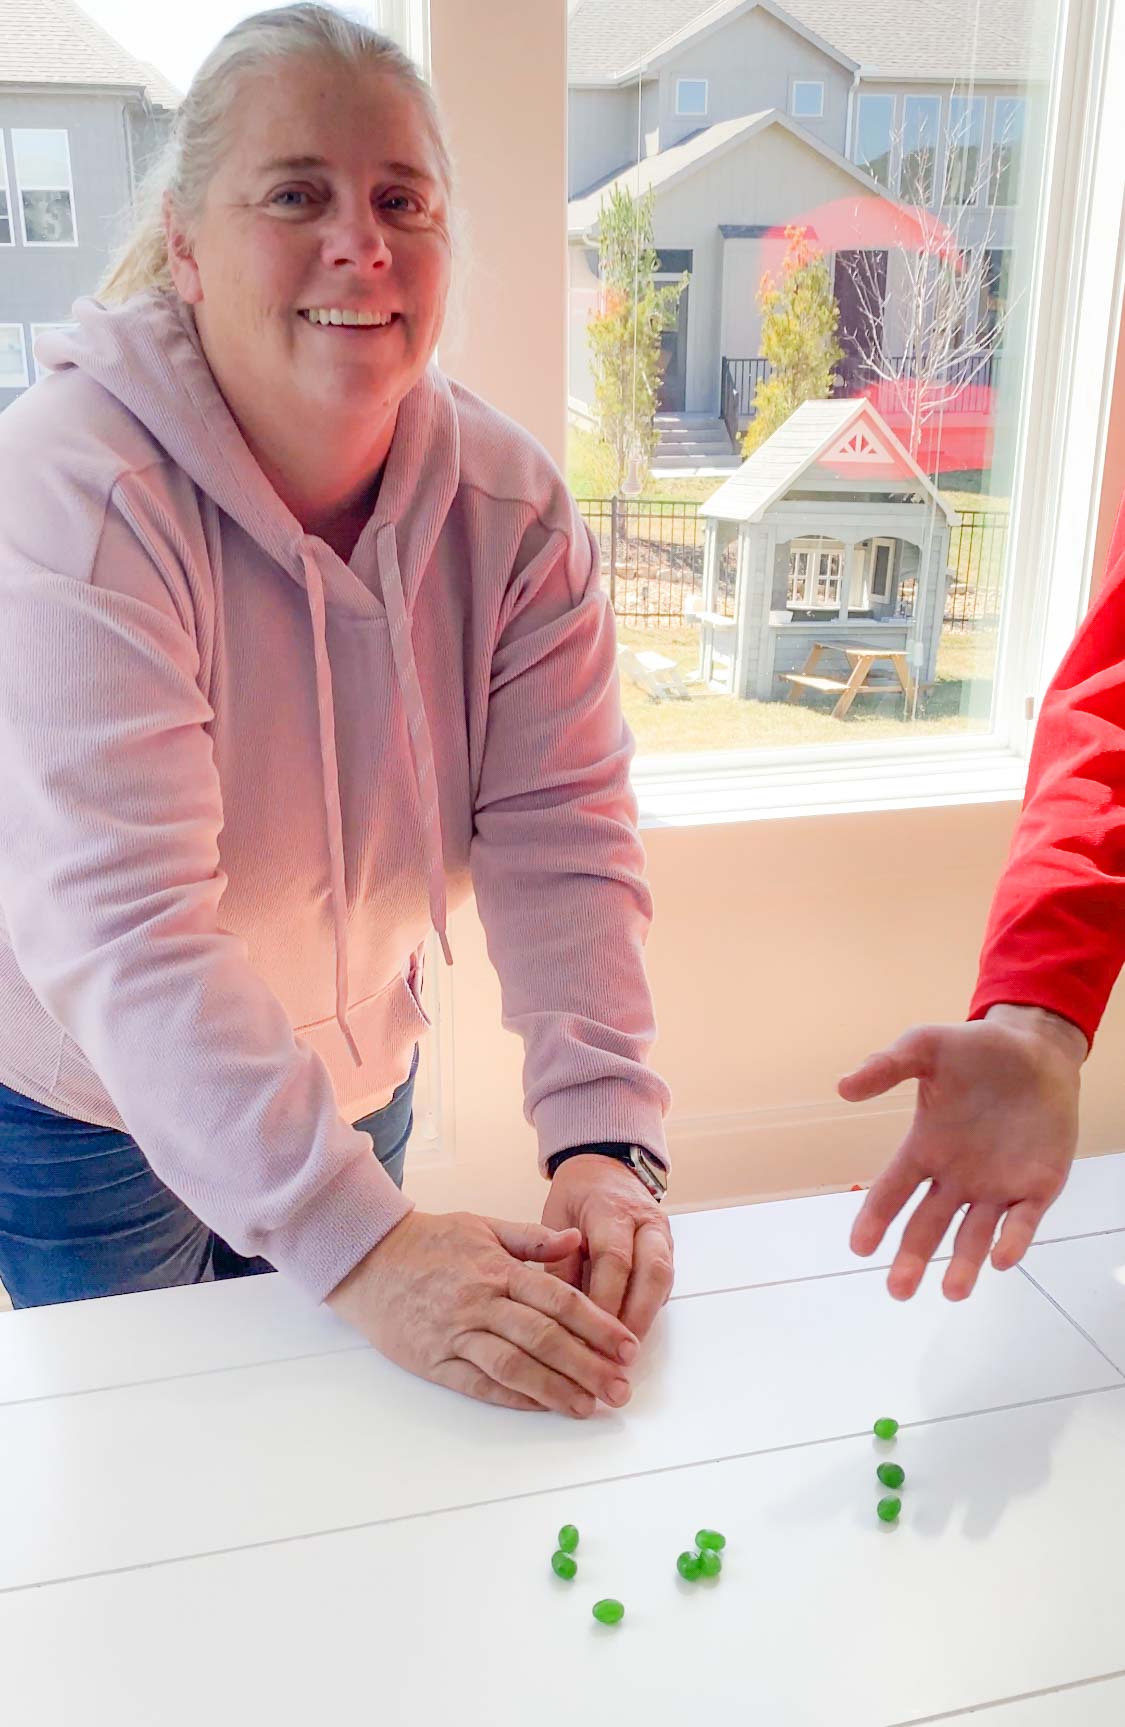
(1056, 931)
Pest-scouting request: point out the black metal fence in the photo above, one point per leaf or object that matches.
(652, 562)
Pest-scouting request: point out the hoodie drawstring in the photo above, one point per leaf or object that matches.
(421, 745)
(330, 776)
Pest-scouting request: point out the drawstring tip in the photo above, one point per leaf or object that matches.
(353, 1047)
(447, 951)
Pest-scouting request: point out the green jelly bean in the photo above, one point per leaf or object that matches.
(710, 1563)
(563, 1565)
(889, 1509)
(710, 1538)
(689, 1567)
(891, 1475)
(568, 1538)
(608, 1612)
(885, 1428)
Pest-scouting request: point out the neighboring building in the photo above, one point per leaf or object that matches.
(745, 116)
(80, 119)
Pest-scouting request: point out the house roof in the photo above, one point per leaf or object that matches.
(698, 149)
(995, 39)
(54, 42)
(814, 432)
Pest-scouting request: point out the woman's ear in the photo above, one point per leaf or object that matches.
(181, 259)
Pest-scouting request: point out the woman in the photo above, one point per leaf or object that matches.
(298, 643)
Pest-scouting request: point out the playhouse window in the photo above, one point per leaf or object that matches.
(814, 577)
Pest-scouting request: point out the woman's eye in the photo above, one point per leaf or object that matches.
(402, 202)
(290, 197)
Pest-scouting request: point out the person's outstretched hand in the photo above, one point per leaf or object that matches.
(449, 1297)
(995, 1127)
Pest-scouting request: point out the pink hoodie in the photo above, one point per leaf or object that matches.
(240, 779)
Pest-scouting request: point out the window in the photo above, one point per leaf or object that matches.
(921, 129)
(13, 358)
(6, 236)
(966, 138)
(874, 136)
(814, 576)
(1007, 144)
(38, 330)
(46, 194)
(807, 99)
(691, 96)
(881, 567)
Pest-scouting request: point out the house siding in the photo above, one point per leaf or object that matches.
(601, 135)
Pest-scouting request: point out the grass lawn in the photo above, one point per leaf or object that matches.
(590, 473)
(709, 721)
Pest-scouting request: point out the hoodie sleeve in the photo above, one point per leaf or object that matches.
(557, 862)
(110, 883)
(1056, 932)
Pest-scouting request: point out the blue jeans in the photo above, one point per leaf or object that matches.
(82, 1214)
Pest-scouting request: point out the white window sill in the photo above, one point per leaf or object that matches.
(703, 790)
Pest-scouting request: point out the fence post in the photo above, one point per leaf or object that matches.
(613, 554)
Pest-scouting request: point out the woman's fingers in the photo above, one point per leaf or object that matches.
(974, 1238)
(462, 1376)
(575, 1311)
(534, 1240)
(651, 1282)
(510, 1366)
(910, 1057)
(550, 1346)
(920, 1241)
(610, 1250)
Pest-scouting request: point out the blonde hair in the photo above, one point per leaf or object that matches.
(199, 137)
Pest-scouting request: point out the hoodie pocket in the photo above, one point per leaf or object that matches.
(386, 1026)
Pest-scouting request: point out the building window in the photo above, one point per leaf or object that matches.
(874, 136)
(966, 140)
(691, 96)
(807, 99)
(38, 330)
(13, 358)
(815, 569)
(1007, 149)
(45, 189)
(6, 236)
(882, 568)
(921, 129)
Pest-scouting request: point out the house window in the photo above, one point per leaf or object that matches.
(38, 330)
(45, 189)
(691, 96)
(874, 136)
(815, 570)
(1007, 149)
(921, 129)
(807, 99)
(966, 138)
(882, 557)
(6, 236)
(13, 358)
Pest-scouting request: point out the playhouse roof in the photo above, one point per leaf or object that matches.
(840, 440)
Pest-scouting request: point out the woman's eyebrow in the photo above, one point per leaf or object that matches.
(294, 164)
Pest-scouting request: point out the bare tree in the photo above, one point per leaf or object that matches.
(953, 314)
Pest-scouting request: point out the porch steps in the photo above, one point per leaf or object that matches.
(693, 444)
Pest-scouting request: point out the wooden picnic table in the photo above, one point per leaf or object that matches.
(861, 659)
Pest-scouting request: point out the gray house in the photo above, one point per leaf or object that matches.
(79, 121)
(745, 116)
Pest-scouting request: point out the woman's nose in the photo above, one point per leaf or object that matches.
(358, 241)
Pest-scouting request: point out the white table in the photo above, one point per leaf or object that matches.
(215, 1506)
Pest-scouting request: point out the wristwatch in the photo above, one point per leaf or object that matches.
(648, 1170)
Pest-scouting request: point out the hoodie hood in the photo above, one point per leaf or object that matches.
(147, 354)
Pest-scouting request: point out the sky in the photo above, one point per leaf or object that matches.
(177, 38)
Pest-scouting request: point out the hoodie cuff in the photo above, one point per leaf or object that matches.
(318, 1246)
(598, 1110)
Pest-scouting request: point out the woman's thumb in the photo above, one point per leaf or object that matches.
(535, 1241)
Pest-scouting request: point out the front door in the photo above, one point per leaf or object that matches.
(672, 395)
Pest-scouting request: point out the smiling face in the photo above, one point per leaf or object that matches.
(319, 266)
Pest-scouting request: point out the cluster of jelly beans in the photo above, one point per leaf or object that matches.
(889, 1474)
(564, 1565)
(706, 1561)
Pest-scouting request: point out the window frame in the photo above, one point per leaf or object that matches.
(26, 384)
(1073, 312)
(875, 545)
(817, 549)
(693, 113)
(796, 84)
(21, 188)
(6, 188)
